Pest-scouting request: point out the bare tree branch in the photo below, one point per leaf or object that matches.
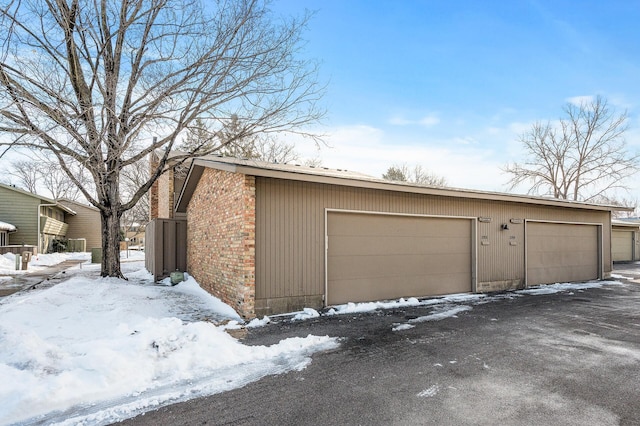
(583, 158)
(403, 173)
(102, 84)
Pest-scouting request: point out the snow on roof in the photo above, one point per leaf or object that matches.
(4, 226)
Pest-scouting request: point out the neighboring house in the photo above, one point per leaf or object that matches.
(272, 238)
(39, 221)
(134, 235)
(625, 240)
(85, 224)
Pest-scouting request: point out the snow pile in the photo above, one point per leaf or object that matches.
(447, 312)
(38, 262)
(4, 226)
(94, 351)
(558, 287)
(307, 313)
(259, 322)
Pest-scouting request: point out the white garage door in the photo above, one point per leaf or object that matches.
(562, 253)
(622, 246)
(378, 257)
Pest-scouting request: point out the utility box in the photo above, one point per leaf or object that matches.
(96, 255)
(176, 277)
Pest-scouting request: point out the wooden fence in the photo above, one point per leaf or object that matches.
(165, 246)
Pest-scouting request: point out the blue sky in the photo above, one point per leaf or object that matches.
(451, 84)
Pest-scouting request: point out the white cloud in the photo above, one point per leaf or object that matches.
(579, 100)
(429, 120)
(369, 150)
(399, 121)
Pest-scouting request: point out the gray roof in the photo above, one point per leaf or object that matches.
(44, 200)
(354, 179)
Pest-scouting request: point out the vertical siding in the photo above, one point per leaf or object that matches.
(290, 231)
(20, 210)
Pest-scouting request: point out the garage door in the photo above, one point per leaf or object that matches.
(622, 246)
(377, 257)
(562, 253)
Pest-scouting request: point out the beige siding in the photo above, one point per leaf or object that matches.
(20, 210)
(290, 231)
(85, 224)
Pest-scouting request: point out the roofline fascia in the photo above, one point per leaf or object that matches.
(186, 193)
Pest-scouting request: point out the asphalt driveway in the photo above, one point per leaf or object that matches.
(569, 358)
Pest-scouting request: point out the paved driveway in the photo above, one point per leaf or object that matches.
(570, 358)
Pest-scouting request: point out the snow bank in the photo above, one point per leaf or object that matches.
(94, 351)
(558, 287)
(38, 262)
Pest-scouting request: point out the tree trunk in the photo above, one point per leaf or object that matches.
(111, 244)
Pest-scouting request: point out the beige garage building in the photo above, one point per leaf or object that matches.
(269, 238)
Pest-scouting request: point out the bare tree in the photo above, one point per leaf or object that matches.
(25, 175)
(103, 84)
(417, 174)
(623, 202)
(134, 176)
(583, 157)
(44, 177)
(277, 152)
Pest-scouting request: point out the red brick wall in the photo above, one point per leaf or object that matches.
(221, 238)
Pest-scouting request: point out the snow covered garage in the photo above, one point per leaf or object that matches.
(271, 238)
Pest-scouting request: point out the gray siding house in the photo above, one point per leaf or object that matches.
(38, 220)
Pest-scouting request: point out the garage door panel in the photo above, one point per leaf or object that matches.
(375, 245)
(366, 289)
(348, 267)
(374, 257)
(562, 253)
(396, 226)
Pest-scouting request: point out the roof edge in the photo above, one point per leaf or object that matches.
(302, 174)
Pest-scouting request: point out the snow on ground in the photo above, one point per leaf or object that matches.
(96, 350)
(558, 287)
(37, 263)
(451, 305)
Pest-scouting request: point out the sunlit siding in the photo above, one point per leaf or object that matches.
(290, 231)
(85, 224)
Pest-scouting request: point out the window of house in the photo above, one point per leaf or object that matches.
(3, 238)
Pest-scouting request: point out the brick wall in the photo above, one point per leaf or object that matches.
(221, 238)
